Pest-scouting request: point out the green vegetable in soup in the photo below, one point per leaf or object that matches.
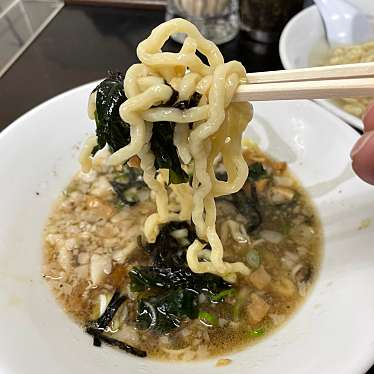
(223, 294)
(257, 332)
(208, 318)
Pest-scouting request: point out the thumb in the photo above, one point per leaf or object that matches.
(362, 156)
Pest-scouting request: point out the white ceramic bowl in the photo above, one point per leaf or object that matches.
(302, 36)
(333, 332)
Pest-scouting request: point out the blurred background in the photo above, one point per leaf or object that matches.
(219, 20)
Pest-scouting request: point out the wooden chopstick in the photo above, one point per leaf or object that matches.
(312, 83)
(360, 70)
(324, 89)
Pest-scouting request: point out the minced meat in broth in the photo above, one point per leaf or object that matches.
(94, 249)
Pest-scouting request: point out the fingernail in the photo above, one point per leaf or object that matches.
(369, 109)
(360, 144)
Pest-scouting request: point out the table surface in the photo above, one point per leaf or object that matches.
(82, 43)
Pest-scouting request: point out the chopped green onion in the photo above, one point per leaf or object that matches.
(257, 332)
(240, 301)
(226, 293)
(208, 318)
(253, 258)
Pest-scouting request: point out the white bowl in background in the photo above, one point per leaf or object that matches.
(303, 36)
(333, 332)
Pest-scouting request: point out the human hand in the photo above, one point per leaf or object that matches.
(362, 153)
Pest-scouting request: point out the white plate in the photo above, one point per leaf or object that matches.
(303, 34)
(332, 333)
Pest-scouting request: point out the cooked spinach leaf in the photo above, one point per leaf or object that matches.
(110, 129)
(165, 312)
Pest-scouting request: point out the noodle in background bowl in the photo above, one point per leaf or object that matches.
(304, 39)
(333, 332)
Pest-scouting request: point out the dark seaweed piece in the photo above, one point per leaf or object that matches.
(248, 207)
(123, 194)
(162, 144)
(172, 100)
(166, 155)
(253, 190)
(100, 337)
(246, 200)
(97, 327)
(221, 176)
(127, 185)
(96, 341)
(151, 277)
(110, 129)
(169, 269)
(193, 101)
(173, 287)
(166, 251)
(164, 313)
(106, 318)
(256, 171)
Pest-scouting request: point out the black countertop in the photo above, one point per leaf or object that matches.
(83, 42)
